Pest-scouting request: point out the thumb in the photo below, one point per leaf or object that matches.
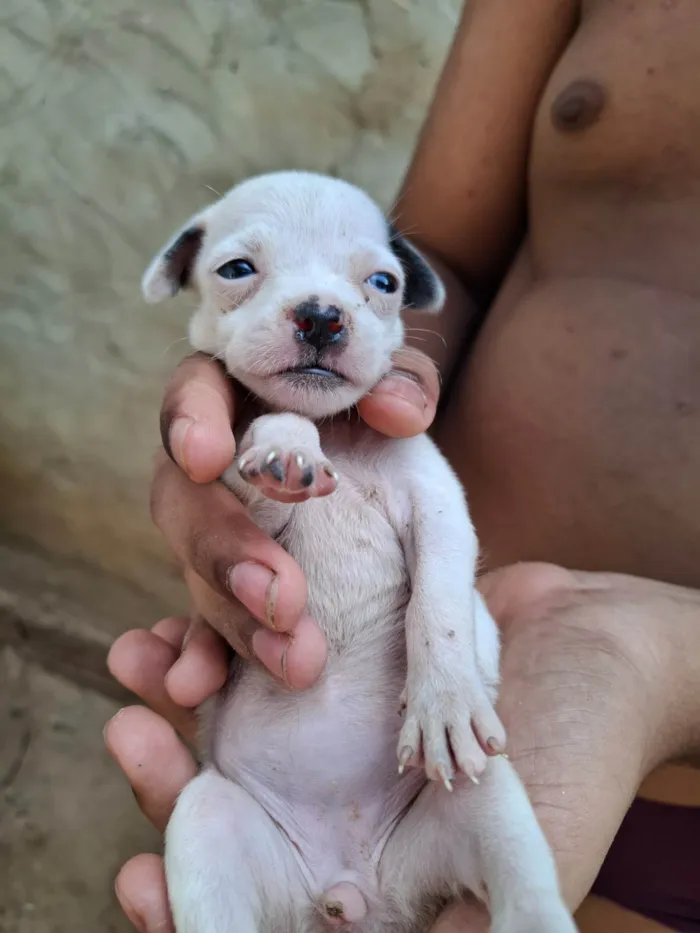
(520, 590)
(141, 890)
(403, 404)
(463, 917)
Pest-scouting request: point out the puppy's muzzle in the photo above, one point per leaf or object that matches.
(316, 326)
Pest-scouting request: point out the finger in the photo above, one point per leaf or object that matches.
(405, 401)
(172, 630)
(196, 418)
(143, 895)
(210, 531)
(140, 661)
(154, 760)
(297, 660)
(201, 669)
(226, 615)
(303, 663)
(462, 917)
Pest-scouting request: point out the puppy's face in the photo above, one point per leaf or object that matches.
(301, 284)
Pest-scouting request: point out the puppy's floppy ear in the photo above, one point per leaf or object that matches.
(424, 291)
(171, 269)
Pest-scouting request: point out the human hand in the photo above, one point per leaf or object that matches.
(232, 569)
(595, 678)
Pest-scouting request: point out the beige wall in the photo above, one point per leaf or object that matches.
(115, 117)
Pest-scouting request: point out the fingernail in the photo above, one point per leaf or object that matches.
(256, 587)
(134, 916)
(178, 434)
(283, 665)
(403, 387)
(109, 723)
(265, 648)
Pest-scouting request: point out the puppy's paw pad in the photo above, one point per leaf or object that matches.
(301, 472)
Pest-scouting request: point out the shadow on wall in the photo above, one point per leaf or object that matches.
(115, 123)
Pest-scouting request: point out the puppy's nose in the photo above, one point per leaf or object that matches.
(318, 326)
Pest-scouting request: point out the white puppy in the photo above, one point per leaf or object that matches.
(302, 815)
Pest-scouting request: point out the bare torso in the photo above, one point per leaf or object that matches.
(581, 403)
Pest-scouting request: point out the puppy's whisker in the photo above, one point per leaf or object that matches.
(174, 344)
(425, 330)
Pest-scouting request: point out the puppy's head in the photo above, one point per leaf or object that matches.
(301, 282)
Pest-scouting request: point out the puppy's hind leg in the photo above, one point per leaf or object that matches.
(484, 839)
(228, 867)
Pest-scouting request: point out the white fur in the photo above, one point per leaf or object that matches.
(300, 811)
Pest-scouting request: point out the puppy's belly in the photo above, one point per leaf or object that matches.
(323, 763)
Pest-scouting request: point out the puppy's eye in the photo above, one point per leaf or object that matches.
(236, 269)
(384, 282)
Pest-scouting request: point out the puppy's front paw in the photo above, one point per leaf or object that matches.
(450, 728)
(297, 474)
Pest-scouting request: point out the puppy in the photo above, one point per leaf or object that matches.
(378, 795)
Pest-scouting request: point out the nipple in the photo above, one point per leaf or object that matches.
(578, 106)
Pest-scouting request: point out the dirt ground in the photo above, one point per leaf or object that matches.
(67, 817)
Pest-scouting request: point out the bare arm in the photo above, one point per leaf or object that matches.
(463, 199)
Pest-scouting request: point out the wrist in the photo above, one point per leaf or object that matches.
(679, 625)
(658, 633)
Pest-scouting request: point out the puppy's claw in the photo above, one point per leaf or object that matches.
(272, 456)
(444, 777)
(404, 757)
(276, 467)
(494, 746)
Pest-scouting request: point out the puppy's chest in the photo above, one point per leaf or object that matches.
(349, 545)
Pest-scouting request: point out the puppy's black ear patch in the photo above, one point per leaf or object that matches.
(171, 269)
(423, 291)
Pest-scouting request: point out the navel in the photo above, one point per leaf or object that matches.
(578, 106)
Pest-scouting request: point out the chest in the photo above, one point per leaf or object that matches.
(625, 94)
(615, 157)
(349, 544)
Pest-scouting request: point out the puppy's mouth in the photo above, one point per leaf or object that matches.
(318, 375)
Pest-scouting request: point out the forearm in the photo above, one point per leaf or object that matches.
(463, 198)
(600, 685)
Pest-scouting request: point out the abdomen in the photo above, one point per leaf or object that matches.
(580, 417)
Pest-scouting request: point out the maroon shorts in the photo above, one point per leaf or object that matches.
(653, 866)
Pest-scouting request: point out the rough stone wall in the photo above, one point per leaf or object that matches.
(116, 117)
